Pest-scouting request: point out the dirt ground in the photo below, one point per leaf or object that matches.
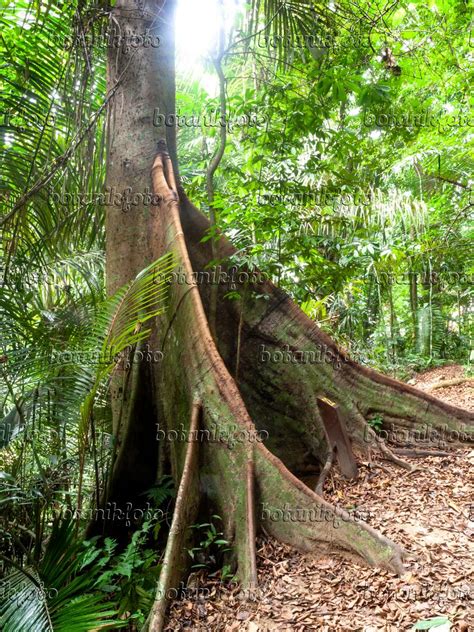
(461, 395)
(429, 512)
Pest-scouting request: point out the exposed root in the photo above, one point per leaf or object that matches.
(251, 521)
(389, 455)
(174, 563)
(455, 382)
(386, 452)
(294, 514)
(420, 453)
(324, 472)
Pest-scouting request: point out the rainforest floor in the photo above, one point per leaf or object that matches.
(429, 512)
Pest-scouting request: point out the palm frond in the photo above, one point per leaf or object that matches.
(25, 608)
(126, 316)
(55, 596)
(288, 21)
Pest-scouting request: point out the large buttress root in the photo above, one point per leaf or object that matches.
(285, 362)
(243, 480)
(294, 514)
(187, 503)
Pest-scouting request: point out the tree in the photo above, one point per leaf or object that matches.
(265, 370)
(251, 377)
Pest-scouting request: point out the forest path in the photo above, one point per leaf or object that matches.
(430, 512)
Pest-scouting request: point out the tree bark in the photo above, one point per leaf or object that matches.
(414, 307)
(147, 82)
(146, 85)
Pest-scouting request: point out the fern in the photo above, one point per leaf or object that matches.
(161, 492)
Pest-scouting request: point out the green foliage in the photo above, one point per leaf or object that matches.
(433, 624)
(376, 422)
(81, 586)
(355, 188)
(124, 319)
(162, 491)
(57, 594)
(352, 190)
(53, 436)
(210, 549)
(129, 577)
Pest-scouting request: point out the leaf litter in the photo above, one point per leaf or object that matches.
(429, 512)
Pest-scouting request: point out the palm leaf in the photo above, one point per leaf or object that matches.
(288, 21)
(55, 596)
(25, 608)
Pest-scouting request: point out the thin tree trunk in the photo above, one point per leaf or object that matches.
(414, 306)
(394, 328)
(216, 159)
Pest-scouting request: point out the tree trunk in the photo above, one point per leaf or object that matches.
(284, 363)
(394, 328)
(414, 307)
(147, 82)
(146, 78)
